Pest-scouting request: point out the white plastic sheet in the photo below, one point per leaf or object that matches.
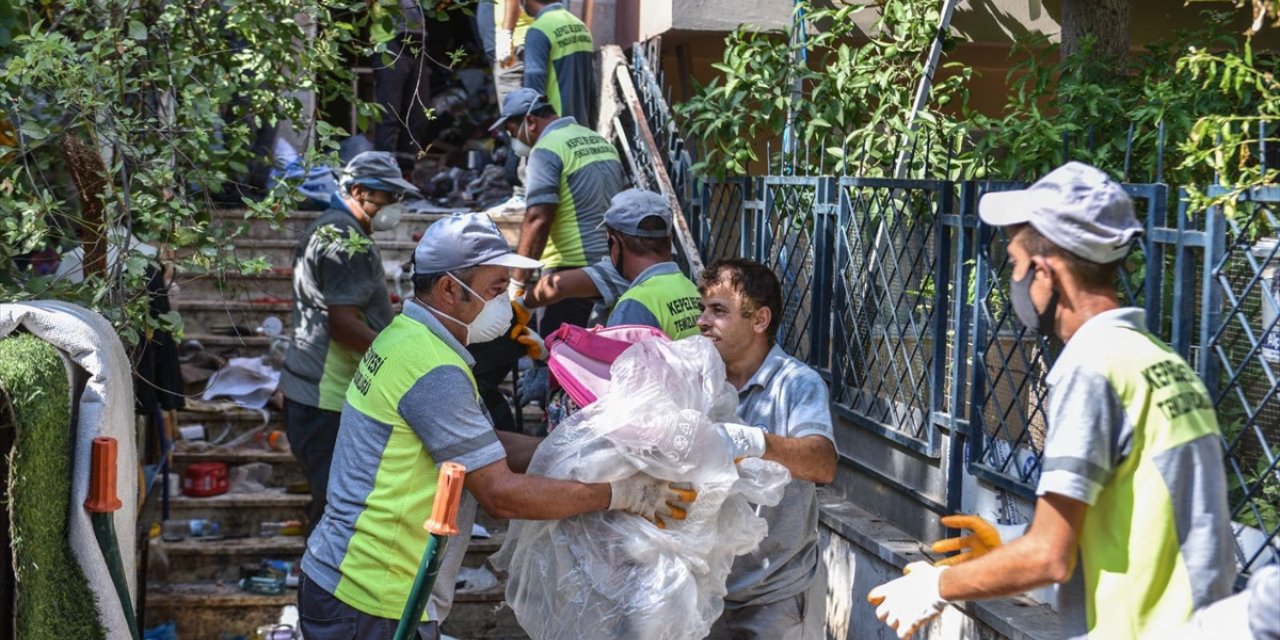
(615, 575)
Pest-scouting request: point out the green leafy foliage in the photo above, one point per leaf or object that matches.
(1083, 108)
(170, 95)
(855, 95)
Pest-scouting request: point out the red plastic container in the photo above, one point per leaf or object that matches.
(205, 479)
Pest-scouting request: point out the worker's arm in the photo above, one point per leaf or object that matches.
(1045, 555)
(347, 328)
(811, 458)
(561, 285)
(511, 13)
(506, 494)
(534, 232)
(519, 448)
(537, 60)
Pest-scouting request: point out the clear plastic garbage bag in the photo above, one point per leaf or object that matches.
(615, 575)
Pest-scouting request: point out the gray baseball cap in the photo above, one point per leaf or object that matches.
(376, 170)
(630, 207)
(520, 103)
(1075, 206)
(465, 240)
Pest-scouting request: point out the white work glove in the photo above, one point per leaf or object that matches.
(744, 441)
(515, 290)
(908, 603)
(651, 498)
(502, 45)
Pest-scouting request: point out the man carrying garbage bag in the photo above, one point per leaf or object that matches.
(787, 411)
(412, 405)
(1132, 516)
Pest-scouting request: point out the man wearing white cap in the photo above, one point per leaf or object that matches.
(1132, 517)
(340, 302)
(412, 405)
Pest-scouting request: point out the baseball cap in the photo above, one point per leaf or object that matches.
(1075, 206)
(376, 170)
(630, 207)
(465, 240)
(520, 103)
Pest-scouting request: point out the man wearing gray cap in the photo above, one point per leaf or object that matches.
(412, 405)
(573, 173)
(340, 303)
(639, 280)
(1132, 517)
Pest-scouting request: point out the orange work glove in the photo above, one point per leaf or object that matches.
(985, 538)
(520, 331)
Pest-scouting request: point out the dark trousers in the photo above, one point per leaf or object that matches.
(324, 617)
(312, 433)
(402, 86)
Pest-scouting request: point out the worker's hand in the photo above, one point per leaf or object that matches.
(985, 538)
(651, 498)
(534, 346)
(744, 441)
(908, 603)
(515, 290)
(502, 45)
(532, 387)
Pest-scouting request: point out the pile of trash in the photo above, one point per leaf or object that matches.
(615, 575)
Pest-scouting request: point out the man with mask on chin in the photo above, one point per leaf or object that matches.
(340, 303)
(412, 405)
(573, 173)
(1132, 517)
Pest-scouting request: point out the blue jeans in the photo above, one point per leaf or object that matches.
(324, 617)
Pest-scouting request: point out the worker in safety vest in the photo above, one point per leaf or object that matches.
(640, 281)
(412, 405)
(558, 59)
(573, 174)
(1132, 517)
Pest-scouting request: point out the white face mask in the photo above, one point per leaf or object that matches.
(520, 148)
(388, 217)
(491, 322)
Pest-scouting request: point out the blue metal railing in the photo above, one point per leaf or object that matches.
(898, 295)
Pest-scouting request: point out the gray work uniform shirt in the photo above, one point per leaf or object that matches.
(317, 369)
(786, 398)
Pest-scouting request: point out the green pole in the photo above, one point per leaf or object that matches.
(442, 524)
(101, 504)
(422, 585)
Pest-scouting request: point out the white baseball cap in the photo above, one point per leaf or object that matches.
(1076, 206)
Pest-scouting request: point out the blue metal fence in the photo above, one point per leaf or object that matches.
(898, 295)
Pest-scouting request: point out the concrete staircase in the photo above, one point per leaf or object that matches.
(194, 582)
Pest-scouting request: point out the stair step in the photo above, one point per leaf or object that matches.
(285, 469)
(278, 283)
(220, 560)
(483, 614)
(268, 498)
(239, 455)
(241, 513)
(296, 223)
(207, 610)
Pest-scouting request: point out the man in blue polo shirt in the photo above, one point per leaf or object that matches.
(787, 411)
